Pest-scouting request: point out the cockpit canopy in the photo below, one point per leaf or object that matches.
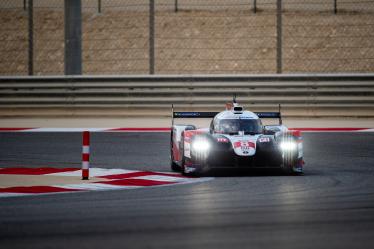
(233, 126)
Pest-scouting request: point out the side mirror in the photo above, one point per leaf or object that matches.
(271, 129)
(190, 128)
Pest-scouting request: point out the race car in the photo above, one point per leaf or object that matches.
(236, 139)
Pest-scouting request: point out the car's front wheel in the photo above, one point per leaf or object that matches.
(173, 165)
(290, 167)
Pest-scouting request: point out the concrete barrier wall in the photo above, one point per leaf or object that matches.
(299, 95)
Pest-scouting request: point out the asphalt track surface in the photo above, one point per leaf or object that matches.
(331, 206)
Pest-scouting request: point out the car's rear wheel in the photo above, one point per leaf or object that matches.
(173, 165)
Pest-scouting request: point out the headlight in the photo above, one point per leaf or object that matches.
(200, 145)
(287, 146)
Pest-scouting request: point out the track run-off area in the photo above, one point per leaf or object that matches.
(330, 206)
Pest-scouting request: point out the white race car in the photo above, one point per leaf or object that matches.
(235, 139)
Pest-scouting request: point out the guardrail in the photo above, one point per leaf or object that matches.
(300, 95)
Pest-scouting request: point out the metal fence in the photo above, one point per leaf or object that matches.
(191, 36)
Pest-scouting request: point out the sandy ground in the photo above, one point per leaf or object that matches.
(42, 180)
(194, 40)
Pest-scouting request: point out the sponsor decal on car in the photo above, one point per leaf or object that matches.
(244, 145)
(222, 140)
(264, 140)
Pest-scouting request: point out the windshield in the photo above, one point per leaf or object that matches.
(233, 126)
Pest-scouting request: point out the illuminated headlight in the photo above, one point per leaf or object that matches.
(287, 146)
(200, 145)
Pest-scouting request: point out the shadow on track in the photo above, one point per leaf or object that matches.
(246, 173)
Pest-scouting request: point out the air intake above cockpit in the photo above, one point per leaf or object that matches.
(238, 109)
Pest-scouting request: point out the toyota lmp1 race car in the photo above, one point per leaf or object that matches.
(236, 139)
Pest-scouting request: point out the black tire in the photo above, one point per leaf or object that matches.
(288, 168)
(173, 165)
(194, 174)
(190, 174)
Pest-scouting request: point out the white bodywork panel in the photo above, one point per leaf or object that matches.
(177, 136)
(244, 145)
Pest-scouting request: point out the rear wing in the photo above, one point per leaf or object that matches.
(194, 114)
(213, 114)
(277, 115)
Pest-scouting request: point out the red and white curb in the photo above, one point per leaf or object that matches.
(164, 129)
(111, 179)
